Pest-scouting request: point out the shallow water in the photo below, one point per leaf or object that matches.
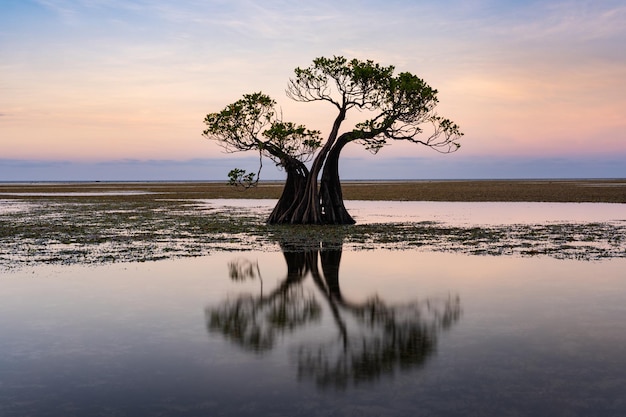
(347, 333)
(485, 213)
(459, 213)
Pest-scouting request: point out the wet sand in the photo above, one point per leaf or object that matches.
(601, 190)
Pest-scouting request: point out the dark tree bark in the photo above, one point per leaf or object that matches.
(334, 210)
(302, 203)
(308, 209)
(291, 195)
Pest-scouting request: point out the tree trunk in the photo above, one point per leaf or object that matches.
(334, 210)
(290, 197)
(300, 202)
(308, 210)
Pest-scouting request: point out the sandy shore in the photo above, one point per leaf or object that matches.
(603, 190)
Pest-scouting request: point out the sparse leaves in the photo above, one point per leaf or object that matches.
(241, 178)
(251, 123)
(398, 107)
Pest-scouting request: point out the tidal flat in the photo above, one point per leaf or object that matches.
(176, 299)
(131, 222)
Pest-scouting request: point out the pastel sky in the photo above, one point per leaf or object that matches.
(118, 89)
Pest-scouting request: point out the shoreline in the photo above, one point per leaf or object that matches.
(528, 190)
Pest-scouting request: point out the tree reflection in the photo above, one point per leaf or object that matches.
(253, 322)
(372, 338)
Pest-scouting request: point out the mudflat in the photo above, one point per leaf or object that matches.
(597, 190)
(101, 222)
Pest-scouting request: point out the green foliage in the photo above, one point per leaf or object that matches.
(239, 126)
(240, 178)
(346, 84)
(397, 107)
(251, 123)
(394, 107)
(293, 139)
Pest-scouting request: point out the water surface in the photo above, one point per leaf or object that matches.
(373, 332)
(459, 213)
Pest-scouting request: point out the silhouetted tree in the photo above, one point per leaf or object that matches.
(396, 107)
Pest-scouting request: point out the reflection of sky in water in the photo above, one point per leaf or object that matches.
(481, 213)
(461, 213)
(450, 213)
(537, 336)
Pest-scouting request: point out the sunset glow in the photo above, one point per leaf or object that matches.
(109, 80)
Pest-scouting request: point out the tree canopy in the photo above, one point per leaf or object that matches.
(398, 107)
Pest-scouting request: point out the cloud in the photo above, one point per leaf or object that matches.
(120, 79)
